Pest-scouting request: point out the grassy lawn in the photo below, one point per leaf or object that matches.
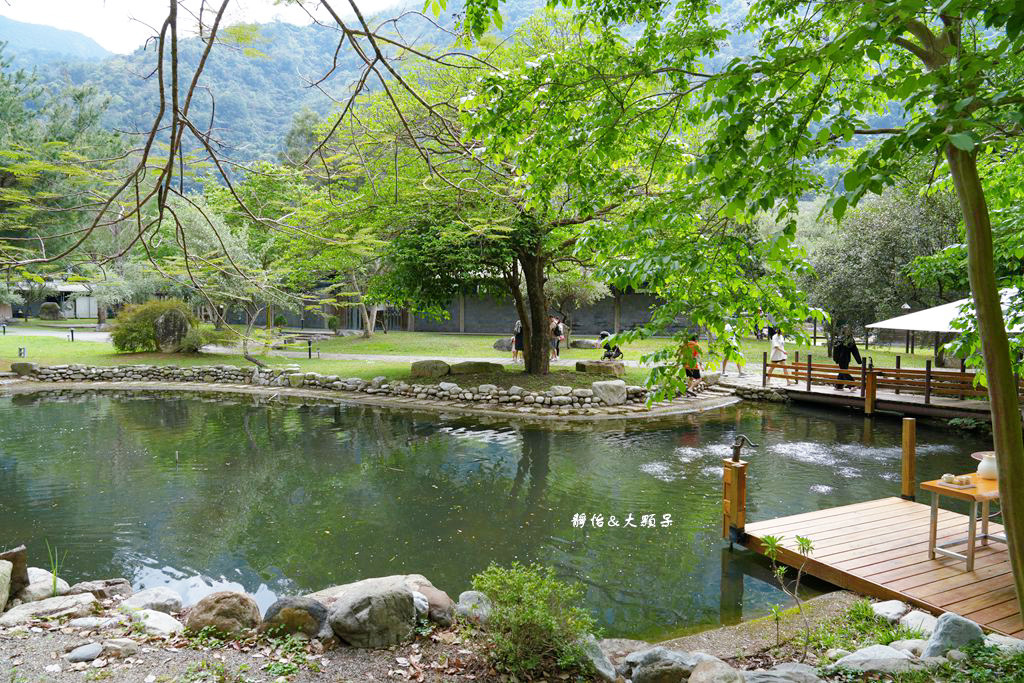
(56, 351)
(883, 357)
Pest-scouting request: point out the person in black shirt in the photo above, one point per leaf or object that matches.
(842, 350)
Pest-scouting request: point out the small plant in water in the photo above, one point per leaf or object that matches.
(56, 562)
(772, 546)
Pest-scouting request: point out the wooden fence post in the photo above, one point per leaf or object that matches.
(809, 370)
(764, 369)
(863, 380)
(734, 500)
(869, 397)
(898, 378)
(927, 382)
(963, 373)
(907, 479)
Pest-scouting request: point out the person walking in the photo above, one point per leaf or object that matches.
(843, 349)
(517, 341)
(738, 359)
(777, 355)
(689, 355)
(557, 335)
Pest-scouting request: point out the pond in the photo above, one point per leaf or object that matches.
(202, 494)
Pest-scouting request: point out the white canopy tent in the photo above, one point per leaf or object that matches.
(938, 318)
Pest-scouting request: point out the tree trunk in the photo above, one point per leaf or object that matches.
(101, 314)
(995, 349)
(364, 314)
(538, 343)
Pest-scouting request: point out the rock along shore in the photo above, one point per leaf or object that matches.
(611, 398)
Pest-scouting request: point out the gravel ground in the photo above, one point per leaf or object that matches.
(35, 656)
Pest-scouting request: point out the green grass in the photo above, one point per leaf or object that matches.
(56, 351)
(753, 350)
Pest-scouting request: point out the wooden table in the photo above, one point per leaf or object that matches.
(982, 491)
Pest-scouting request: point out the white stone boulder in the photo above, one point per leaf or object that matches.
(160, 599)
(916, 620)
(157, 623)
(890, 610)
(952, 631)
(612, 391)
(879, 659)
(50, 608)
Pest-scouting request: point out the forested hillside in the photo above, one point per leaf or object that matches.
(35, 45)
(260, 76)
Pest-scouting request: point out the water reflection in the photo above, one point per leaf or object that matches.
(203, 494)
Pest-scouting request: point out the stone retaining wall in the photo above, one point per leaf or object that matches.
(772, 394)
(573, 401)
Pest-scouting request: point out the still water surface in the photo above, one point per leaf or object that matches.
(203, 495)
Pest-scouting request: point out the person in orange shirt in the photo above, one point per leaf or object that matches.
(690, 357)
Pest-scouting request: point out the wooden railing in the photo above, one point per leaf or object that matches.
(867, 380)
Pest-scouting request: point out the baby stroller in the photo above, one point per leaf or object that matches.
(610, 352)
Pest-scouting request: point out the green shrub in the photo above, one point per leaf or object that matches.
(536, 624)
(333, 322)
(134, 329)
(280, 320)
(198, 337)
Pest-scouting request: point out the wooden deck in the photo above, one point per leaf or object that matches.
(880, 548)
(891, 402)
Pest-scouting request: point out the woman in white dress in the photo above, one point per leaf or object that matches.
(778, 354)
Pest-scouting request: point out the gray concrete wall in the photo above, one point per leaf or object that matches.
(485, 315)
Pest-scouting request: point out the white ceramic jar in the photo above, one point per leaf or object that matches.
(987, 467)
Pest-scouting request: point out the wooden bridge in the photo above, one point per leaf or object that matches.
(908, 391)
(880, 548)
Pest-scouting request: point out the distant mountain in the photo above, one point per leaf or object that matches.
(35, 45)
(259, 83)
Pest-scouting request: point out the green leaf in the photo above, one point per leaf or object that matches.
(964, 141)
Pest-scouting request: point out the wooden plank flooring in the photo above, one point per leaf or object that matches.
(880, 548)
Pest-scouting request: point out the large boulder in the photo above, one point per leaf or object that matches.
(952, 631)
(18, 557)
(429, 368)
(659, 663)
(5, 582)
(786, 672)
(440, 607)
(104, 589)
(159, 599)
(374, 616)
(598, 659)
(475, 606)
(612, 391)
(879, 659)
(890, 610)
(713, 670)
(916, 620)
(158, 624)
(41, 585)
(475, 367)
(50, 310)
(295, 615)
(614, 368)
(224, 612)
(504, 344)
(170, 330)
(50, 608)
(23, 369)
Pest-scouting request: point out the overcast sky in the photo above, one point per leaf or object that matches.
(123, 25)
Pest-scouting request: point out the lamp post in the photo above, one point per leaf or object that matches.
(906, 309)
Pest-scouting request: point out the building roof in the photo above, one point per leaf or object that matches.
(940, 318)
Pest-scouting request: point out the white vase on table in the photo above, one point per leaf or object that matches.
(987, 467)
